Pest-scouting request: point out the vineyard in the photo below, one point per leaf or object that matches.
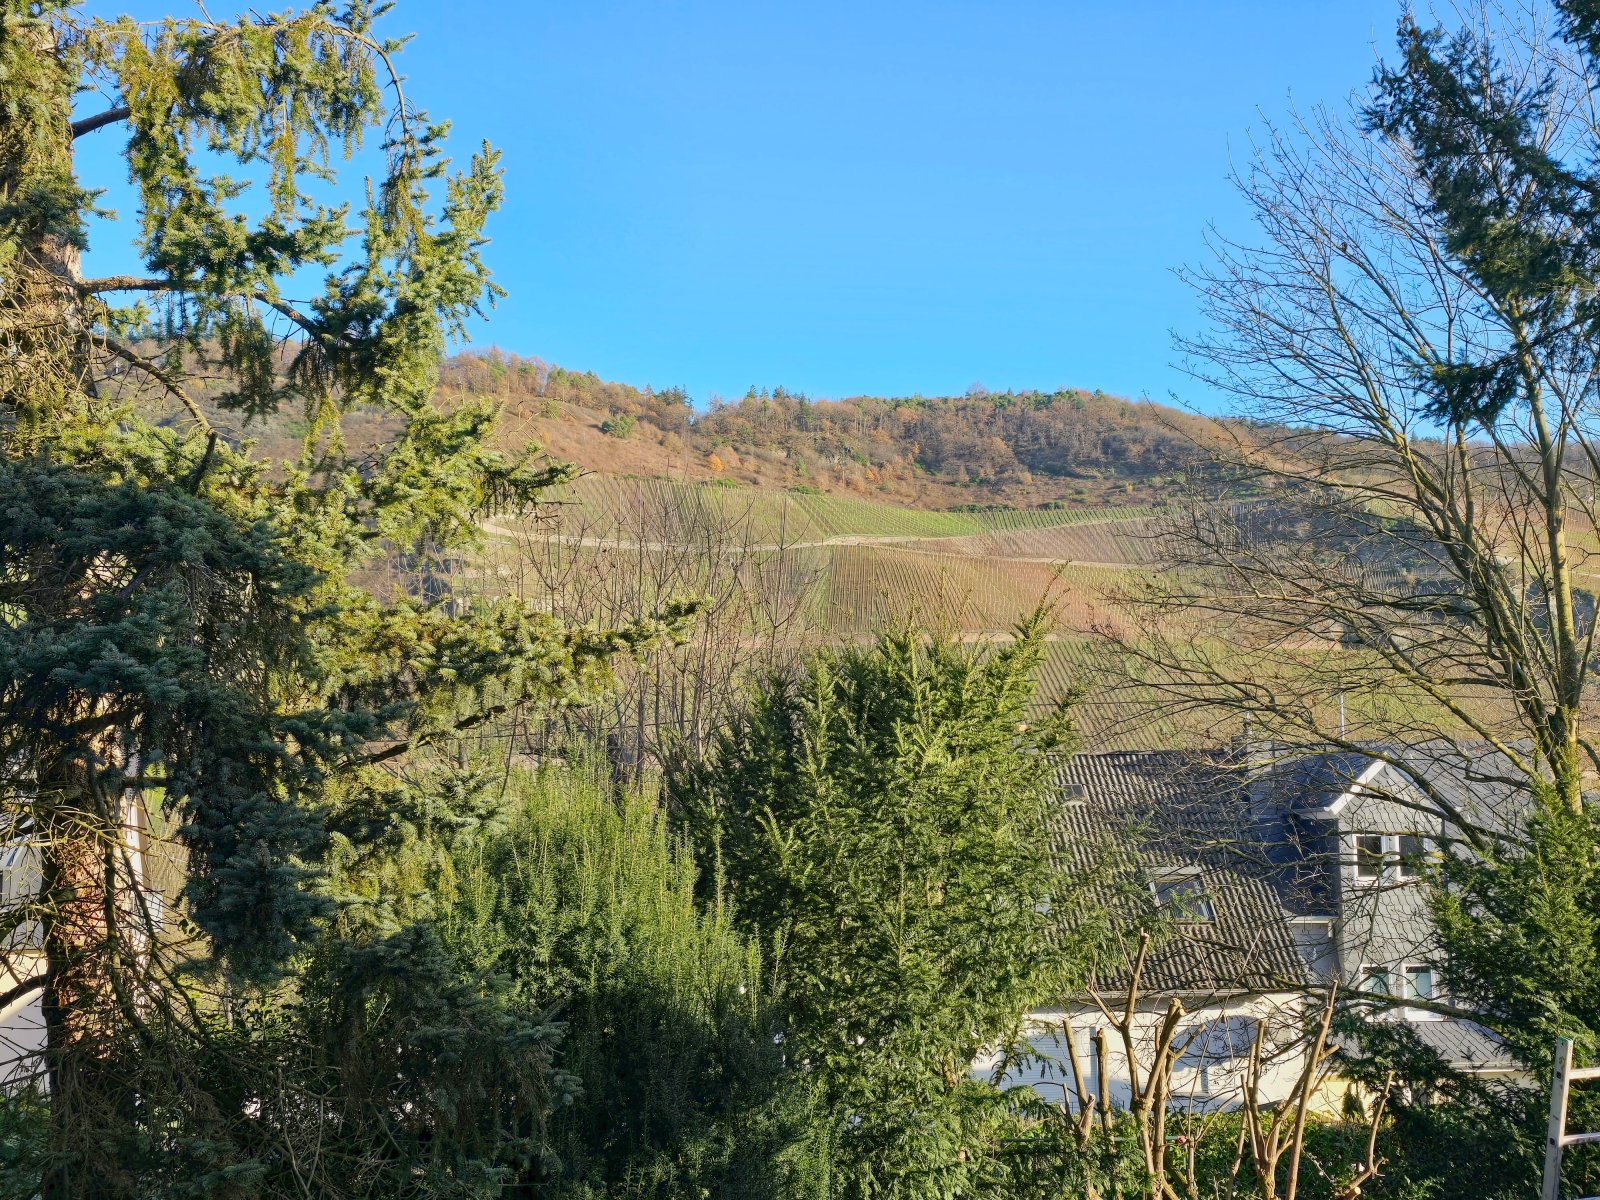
(1109, 712)
(1123, 539)
(849, 567)
(825, 568)
(799, 516)
(977, 573)
(869, 585)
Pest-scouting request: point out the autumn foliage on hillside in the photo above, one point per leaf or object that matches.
(1016, 448)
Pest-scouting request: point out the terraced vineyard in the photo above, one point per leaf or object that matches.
(845, 567)
(1110, 715)
(869, 585)
(864, 565)
(791, 516)
(1116, 712)
(1129, 540)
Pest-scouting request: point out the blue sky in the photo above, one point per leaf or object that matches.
(866, 197)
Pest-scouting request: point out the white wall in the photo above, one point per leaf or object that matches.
(21, 1041)
(1219, 1031)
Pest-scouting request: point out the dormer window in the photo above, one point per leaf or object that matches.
(1412, 850)
(1183, 897)
(1399, 856)
(1369, 855)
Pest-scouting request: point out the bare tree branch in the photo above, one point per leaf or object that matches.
(99, 121)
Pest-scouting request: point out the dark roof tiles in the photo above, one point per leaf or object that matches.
(1182, 814)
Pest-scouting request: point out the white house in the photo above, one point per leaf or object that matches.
(1271, 880)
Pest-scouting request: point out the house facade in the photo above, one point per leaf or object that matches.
(1268, 878)
(1351, 834)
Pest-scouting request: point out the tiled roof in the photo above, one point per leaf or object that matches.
(1180, 813)
(1473, 779)
(1314, 781)
(1464, 1045)
(1253, 832)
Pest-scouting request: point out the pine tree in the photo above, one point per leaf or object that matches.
(883, 822)
(187, 642)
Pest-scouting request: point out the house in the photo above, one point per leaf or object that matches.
(21, 1020)
(1350, 833)
(1270, 877)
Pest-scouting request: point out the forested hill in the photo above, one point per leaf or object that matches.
(1030, 448)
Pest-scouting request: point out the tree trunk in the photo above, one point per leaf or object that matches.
(78, 831)
(75, 823)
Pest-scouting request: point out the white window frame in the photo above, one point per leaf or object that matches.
(1180, 875)
(1369, 972)
(1405, 870)
(1391, 867)
(1397, 988)
(1360, 857)
(1420, 1014)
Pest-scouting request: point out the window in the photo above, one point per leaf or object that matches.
(1216, 1041)
(1419, 981)
(1369, 856)
(1184, 896)
(1412, 850)
(1408, 982)
(1403, 855)
(1377, 981)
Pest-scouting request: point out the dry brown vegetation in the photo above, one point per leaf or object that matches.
(1070, 446)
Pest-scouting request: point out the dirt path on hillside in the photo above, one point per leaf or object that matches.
(904, 543)
(606, 543)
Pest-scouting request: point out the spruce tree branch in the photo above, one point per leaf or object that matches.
(161, 376)
(205, 464)
(99, 121)
(396, 749)
(148, 283)
(128, 283)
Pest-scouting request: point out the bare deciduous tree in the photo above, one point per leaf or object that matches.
(758, 581)
(1402, 562)
(1390, 564)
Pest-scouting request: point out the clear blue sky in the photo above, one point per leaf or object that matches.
(869, 196)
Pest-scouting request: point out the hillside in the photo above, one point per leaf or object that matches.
(1024, 450)
(790, 569)
(830, 517)
(965, 511)
(814, 521)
